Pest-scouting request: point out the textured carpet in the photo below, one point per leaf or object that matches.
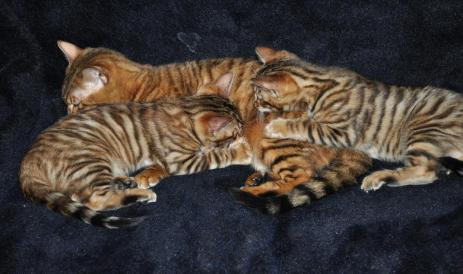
(195, 226)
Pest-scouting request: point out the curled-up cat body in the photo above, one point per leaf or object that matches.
(292, 173)
(97, 76)
(100, 76)
(421, 127)
(82, 164)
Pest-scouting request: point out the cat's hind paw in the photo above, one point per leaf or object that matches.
(376, 180)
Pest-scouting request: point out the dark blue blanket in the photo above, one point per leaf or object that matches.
(195, 226)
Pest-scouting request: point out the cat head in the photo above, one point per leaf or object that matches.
(215, 119)
(216, 122)
(95, 76)
(286, 83)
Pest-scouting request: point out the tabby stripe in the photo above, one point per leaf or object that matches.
(324, 98)
(306, 189)
(444, 114)
(320, 134)
(112, 125)
(436, 106)
(137, 137)
(419, 153)
(276, 147)
(281, 158)
(297, 74)
(124, 137)
(76, 167)
(180, 83)
(309, 71)
(424, 139)
(188, 163)
(435, 131)
(388, 121)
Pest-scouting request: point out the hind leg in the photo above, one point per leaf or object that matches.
(277, 186)
(421, 168)
(114, 199)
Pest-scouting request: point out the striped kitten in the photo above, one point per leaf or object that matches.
(101, 76)
(421, 127)
(82, 164)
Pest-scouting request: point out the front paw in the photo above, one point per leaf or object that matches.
(276, 129)
(376, 180)
(146, 181)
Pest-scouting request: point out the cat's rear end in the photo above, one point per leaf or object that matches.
(296, 172)
(72, 157)
(35, 188)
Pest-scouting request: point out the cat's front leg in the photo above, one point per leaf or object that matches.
(281, 128)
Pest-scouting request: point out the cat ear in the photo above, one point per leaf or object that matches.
(280, 82)
(267, 55)
(216, 123)
(70, 51)
(224, 83)
(222, 86)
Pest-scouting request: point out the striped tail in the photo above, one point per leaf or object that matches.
(452, 164)
(63, 204)
(271, 204)
(343, 170)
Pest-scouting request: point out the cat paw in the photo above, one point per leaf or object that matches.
(255, 179)
(276, 128)
(146, 181)
(376, 180)
(121, 183)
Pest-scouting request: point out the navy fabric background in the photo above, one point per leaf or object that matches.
(195, 226)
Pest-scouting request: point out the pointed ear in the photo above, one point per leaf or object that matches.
(224, 83)
(279, 82)
(70, 51)
(267, 55)
(216, 123)
(222, 86)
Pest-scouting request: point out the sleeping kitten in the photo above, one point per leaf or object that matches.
(82, 164)
(100, 76)
(421, 127)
